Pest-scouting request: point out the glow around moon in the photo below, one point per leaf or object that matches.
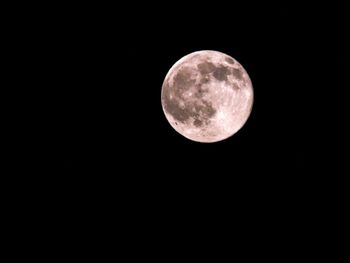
(207, 96)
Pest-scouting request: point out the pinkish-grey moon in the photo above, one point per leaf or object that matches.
(207, 96)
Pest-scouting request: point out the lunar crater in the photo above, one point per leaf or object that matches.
(237, 73)
(206, 67)
(230, 60)
(221, 73)
(205, 79)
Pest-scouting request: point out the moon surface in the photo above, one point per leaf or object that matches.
(207, 96)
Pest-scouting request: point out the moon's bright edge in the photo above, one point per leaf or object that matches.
(207, 96)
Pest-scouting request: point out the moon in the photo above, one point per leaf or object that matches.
(207, 96)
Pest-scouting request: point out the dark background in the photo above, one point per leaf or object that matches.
(112, 75)
(115, 170)
(114, 140)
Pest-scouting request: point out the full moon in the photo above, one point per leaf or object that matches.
(207, 96)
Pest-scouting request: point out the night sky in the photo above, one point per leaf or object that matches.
(114, 134)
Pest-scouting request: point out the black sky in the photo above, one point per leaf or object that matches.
(94, 73)
(112, 124)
